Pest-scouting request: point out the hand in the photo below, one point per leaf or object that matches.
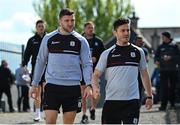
(167, 58)
(33, 92)
(87, 92)
(157, 63)
(148, 104)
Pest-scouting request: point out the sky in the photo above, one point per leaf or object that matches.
(17, 17)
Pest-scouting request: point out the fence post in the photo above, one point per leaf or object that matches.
(22, 53)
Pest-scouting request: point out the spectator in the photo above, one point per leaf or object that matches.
(22, 81)
(6, 80)
(167, 56)
(96, 48)
(32, 50)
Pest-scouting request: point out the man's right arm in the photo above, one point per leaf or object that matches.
(95, 84)
(157, 56)
(40, 62)
(27, 53)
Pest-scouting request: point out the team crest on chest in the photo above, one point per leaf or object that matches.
(133, 54)
(96, 43)
(72, 43)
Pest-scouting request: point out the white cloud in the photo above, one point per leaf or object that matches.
(18, 28)
(17, 38)
(157, 13)
(26, 18)
(22, 19)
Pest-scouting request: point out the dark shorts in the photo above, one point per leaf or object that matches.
(117, 112)
(55, 96)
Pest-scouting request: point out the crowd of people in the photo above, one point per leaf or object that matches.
(67, 65)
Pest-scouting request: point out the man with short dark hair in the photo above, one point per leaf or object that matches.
(167, 57)
(139, 42)
(96, 48)
(63, 50)
(31, 51)
(121, 64)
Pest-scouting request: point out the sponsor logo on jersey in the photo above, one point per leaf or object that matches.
(116, 55)
(35, 42)
(55, 42)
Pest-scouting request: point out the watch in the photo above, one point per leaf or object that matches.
(149, 97)
(89, 86)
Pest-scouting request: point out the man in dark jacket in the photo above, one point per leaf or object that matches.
(31, 51)
(96, 48)
(167, 56)
(5, 83)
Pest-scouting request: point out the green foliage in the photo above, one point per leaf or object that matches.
(101, 12)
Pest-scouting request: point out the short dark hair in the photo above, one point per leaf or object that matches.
(88, 23)
(120, 21)
(138, 37)
(65, 11)
(167, 34)
(39, 21)
(3, 62)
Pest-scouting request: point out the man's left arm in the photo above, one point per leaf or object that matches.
(146, 80)
(86, 66)
(147, 86)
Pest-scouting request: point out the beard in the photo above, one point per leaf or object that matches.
(67, 29)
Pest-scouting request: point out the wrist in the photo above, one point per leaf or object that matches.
(89, 86)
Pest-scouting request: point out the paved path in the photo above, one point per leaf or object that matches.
(146, 117)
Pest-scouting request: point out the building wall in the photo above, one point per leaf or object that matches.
(153, 35)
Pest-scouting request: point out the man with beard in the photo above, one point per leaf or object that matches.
(63, 50)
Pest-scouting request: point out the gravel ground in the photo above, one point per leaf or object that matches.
(146, 117)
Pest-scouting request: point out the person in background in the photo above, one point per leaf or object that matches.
(121, 64)
(167, 57)
(96, 48)
(64, 51)
(22, 82)
(6, 80)
(31, 51)
(155, 80)
(139, 42)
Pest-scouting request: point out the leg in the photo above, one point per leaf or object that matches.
(172, 87)
(8, 94)
(26, 106)
(19, 89)
(1, 91)
(84, 105)
(51, 116)
(110, 114)
(68, 117)
(70, 108)
(163, 90)
(84, 119)
(38, 105)
(130, 114)
(93, 107)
